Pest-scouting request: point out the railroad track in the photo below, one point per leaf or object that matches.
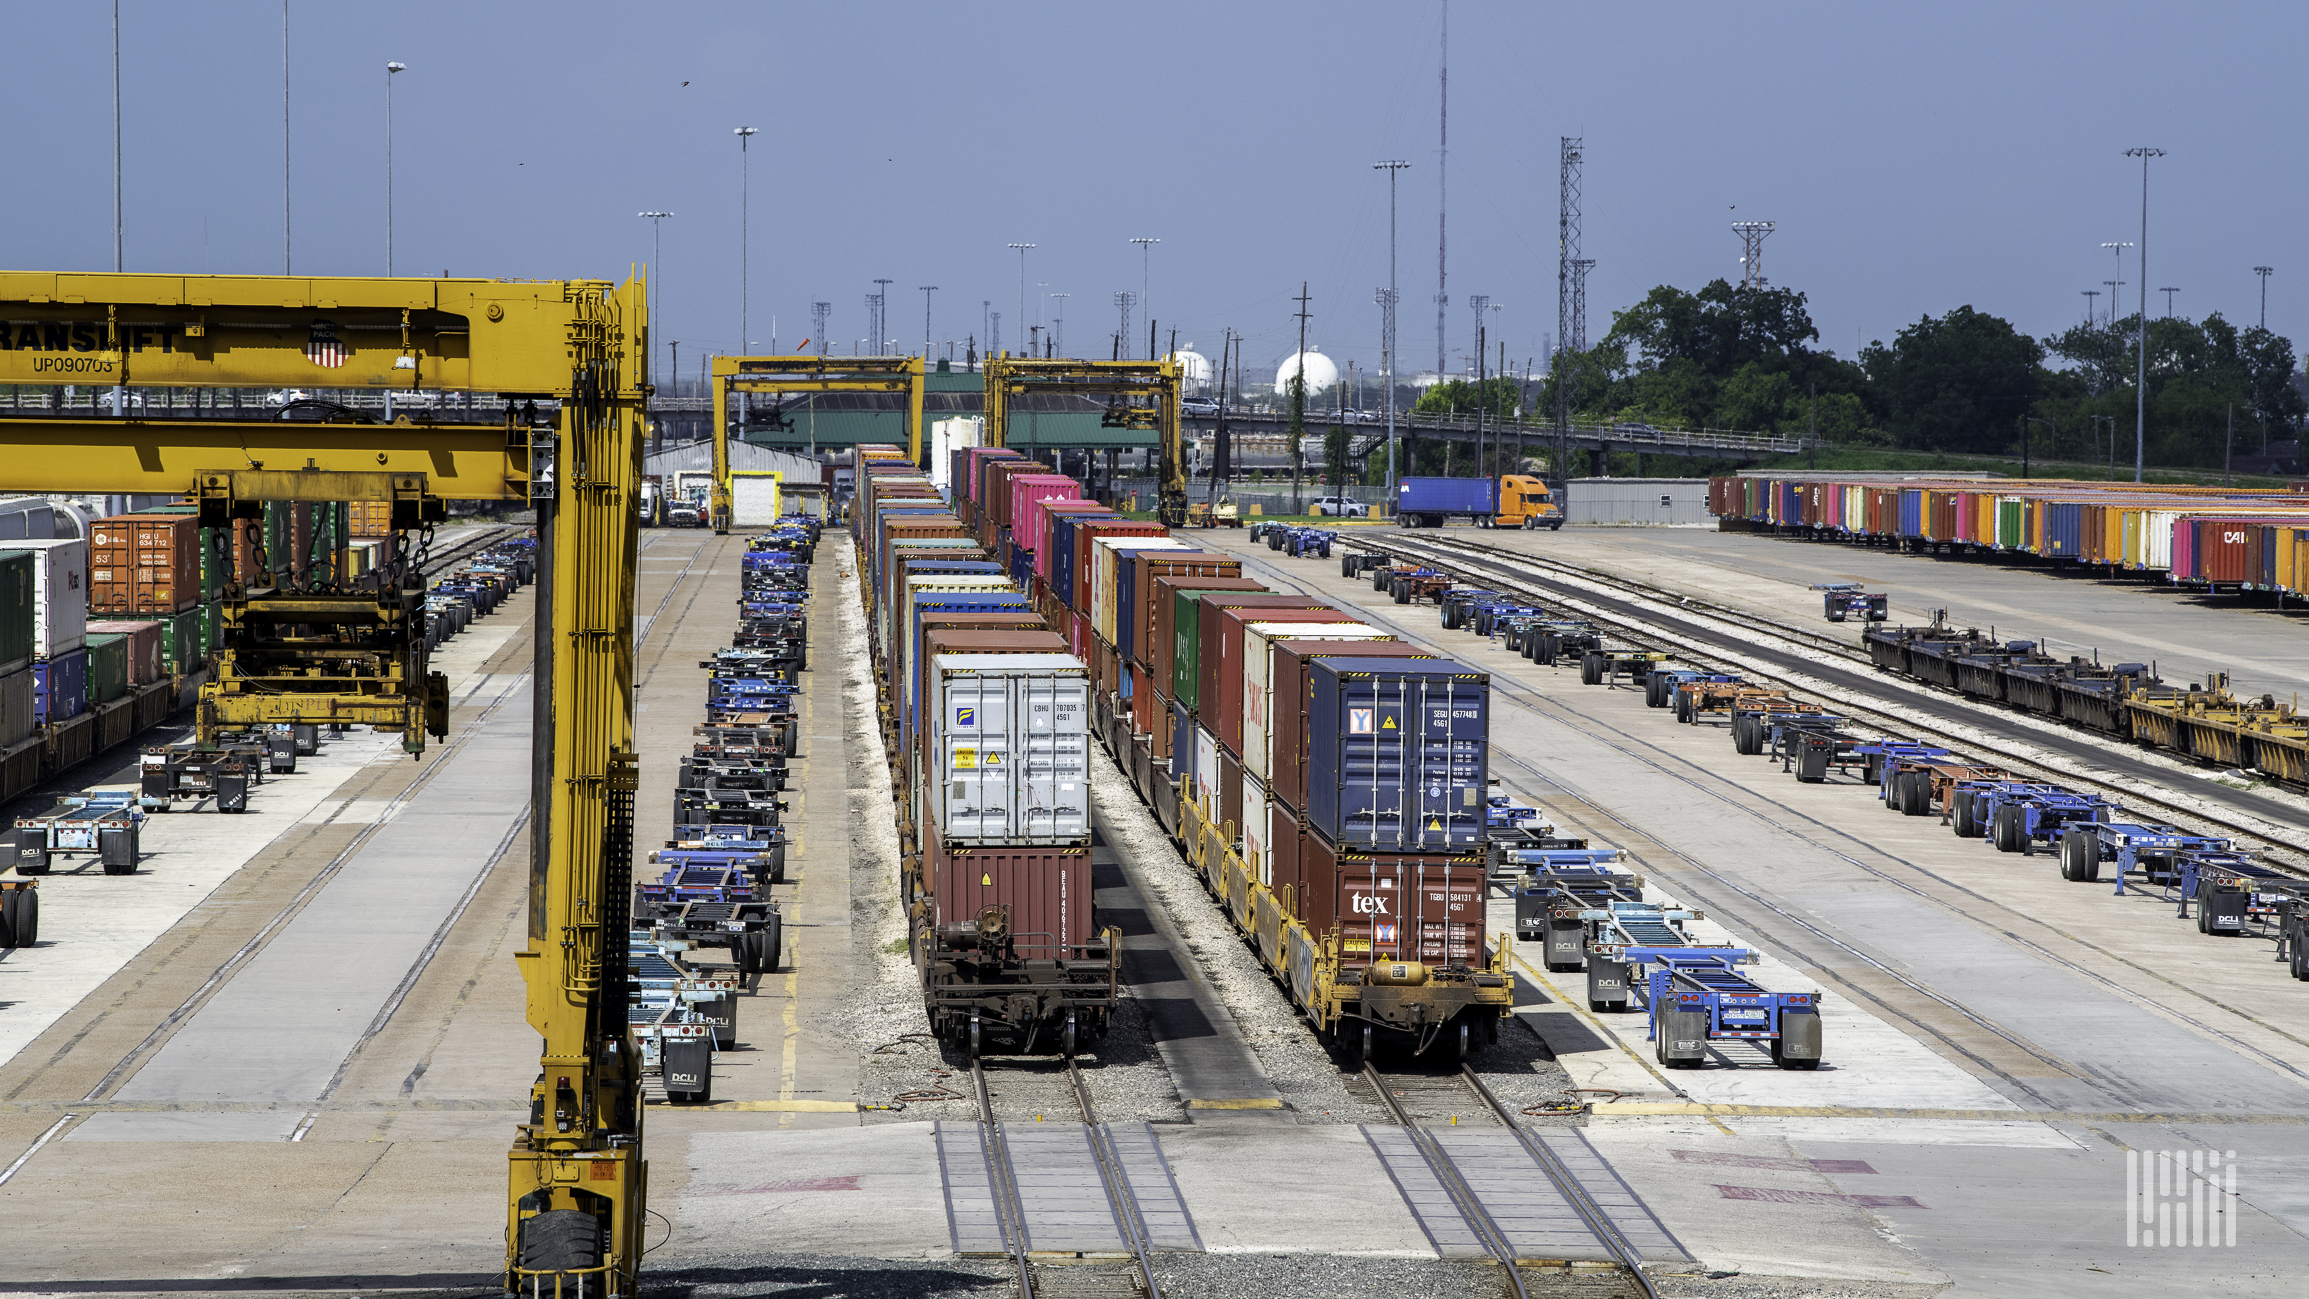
(1859, 691)
(1515, 1226)
(1047, 1277)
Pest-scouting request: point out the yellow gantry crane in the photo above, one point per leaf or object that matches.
(1138, 395)
(807, 374)
(577, 1179)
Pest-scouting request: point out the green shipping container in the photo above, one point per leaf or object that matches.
(15, 610)
(107, 667)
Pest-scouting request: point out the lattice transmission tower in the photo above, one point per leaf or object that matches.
(1579, 270)
(1752, 235)
(820, 313)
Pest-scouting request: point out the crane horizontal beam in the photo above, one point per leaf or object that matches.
(470, 462)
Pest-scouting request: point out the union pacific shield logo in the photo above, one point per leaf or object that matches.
(323, 348)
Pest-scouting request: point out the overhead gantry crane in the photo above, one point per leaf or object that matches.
(1138, 395)
(577, 1179)
(804, 375)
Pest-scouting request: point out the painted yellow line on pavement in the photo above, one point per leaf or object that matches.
(1956, 1115)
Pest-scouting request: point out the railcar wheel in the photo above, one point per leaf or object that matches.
(1466, 1042)
(1066, 1040)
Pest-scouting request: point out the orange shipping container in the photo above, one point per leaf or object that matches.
(143, 563)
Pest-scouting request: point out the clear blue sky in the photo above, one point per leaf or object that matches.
(1915, 157)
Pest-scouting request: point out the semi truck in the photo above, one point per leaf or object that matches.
(1509, 501)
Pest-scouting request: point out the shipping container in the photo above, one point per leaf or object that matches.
(1249, 717)
(19, 712)
(1027, 492)
(948, 610)
(1080, 586)
(1047, 892)
(1222, 663)
(1425, 907)
(1287, 742)
(1398, 756)
(1255, 828)
(59, 594)
(18, 614)
(145, 657)
(107, 667)
(1112, 565)
(1160, 653)
(1009, 749)
(144, 564)
(970, 641)
(1139, 631)
(1196, 631)
(1053, 539)
(60, 687)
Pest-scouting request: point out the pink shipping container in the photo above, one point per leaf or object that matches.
(1027, 492)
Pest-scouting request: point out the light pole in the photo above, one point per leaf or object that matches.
(745, 229)
(2264, 272)
(654, 219)
(119, 393)
(879, 324)
(2114, 285)
(1058, 323)
(1387, 320)
(927, 290)
(284, 137)
(2141, 386)
(1145, 303)
(390, 69)
(1022, 282)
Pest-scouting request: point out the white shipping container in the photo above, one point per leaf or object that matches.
(16, 720)
(754, 497)
(1255, 830)
(1258, 680)
(1010, 755)
(948, 436)
(1207, 771)
(60, 594)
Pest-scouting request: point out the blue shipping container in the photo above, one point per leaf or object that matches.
(1021, 564)
(1071, 540)
(1398, 753)
(1911, 513)
(1182, 743)
(2064, 530)
(1447, 496)
(929, 603)
(60, 687)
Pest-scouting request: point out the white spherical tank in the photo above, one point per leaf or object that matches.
(1321, 374)
(1194, 370)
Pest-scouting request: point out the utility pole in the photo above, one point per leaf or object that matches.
(1388, 297)
(1299, 400)
(1479, 301)
(2090, 294)
(2114, 285)
(879, 312)
(1021, 249)
(2168, 301)
(2264, 272)
(1442, 193)
(927, 290)
(119, 391)
(2141, 386)
(1221, 444)
(1058, 322)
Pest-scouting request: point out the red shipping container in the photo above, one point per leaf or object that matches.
(1424, 907)
(1085, 536)
(1161, 651)
(2225, 550)
(1206, 633)
(1219, 696)
(144, 656)
(1047, 891)
(1287, 780)
(1146, 567)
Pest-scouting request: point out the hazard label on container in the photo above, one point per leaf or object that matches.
(1389, 724)
(986, 880)
(1360, 720)
(965, 759)
(1434, 824)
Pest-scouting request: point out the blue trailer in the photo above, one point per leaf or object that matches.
(1433, 502)
(1697, 996)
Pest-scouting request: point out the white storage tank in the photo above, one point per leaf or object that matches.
(1009, 749)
